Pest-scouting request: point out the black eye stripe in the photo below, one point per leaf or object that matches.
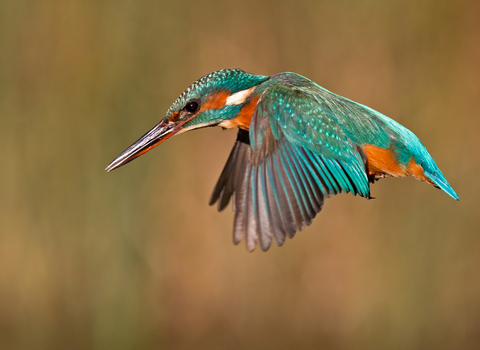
(192, 106)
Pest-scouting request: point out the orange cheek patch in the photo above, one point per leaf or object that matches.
(216, 100)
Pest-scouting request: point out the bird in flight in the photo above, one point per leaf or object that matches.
(297, 144)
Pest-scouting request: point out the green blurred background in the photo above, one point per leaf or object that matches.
(136, 259)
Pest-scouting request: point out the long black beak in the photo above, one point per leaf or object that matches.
(160, 132)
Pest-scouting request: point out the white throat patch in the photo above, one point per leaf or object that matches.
(239, 97)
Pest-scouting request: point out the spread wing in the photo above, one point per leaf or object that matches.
(280, 172)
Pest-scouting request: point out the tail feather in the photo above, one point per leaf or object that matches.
(439, 180)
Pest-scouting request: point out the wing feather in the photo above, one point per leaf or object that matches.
(281, 218)
(295, 156)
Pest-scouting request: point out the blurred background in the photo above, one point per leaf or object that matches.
(136, 259)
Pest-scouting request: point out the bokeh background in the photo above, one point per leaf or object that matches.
(136, 259)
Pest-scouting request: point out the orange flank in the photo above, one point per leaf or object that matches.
(416, 170)
(244, 118)
(382, 162)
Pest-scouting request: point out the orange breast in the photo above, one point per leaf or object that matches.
(244, 118)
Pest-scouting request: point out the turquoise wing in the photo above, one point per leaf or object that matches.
(279, 174)
(362, 125)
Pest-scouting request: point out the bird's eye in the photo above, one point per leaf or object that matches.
(191, 107)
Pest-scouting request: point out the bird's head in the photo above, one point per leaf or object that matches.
(225, 97)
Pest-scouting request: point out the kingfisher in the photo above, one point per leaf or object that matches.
(297, 144)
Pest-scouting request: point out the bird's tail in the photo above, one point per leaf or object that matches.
(405, 156)
(439, 181)
(428, 166)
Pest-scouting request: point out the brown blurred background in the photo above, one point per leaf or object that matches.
(136, 259)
